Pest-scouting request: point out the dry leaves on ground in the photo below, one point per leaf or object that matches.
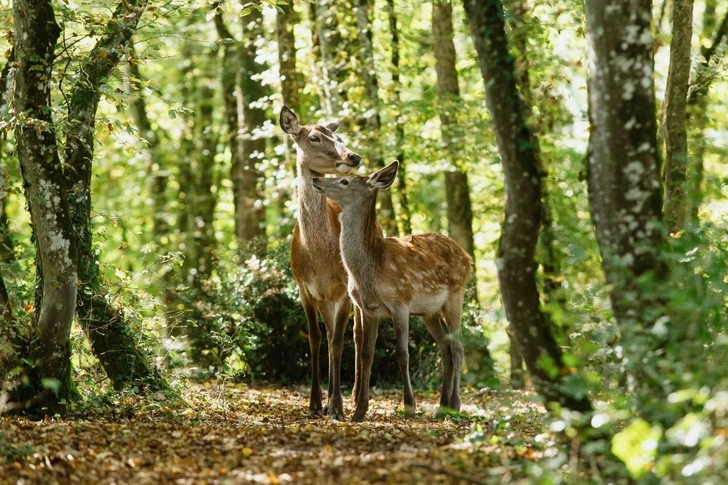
(238, 434)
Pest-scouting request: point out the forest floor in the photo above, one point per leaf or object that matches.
(239, 434)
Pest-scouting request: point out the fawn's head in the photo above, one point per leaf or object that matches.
(355, 189)
(320, 149)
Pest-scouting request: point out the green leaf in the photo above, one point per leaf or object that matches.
(636, 446)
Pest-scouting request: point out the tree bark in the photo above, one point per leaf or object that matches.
(331, 51)
(7, 253)
(240, 92)
(698, 104)
(674, 110)
(49, 381)
(371, 111)
(112, 340)
(285, 23)
(404, 213)
(522, 220)
(290, 88)
(624, 185)
(459, 209)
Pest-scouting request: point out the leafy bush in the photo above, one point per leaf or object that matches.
(250, 315)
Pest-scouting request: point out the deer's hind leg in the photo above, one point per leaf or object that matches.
(453, 312)
(436, 326)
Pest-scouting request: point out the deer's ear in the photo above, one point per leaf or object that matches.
(384, 178)
(333, 126)
(289, 122)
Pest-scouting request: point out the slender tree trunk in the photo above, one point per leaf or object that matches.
(523, 208)
(624, 188)
(285, 24)
(49, 383)
(698, 105)
(404, 213)
(197, 174)
(7, 253)
(158, 176)
(240, 92)
(332, 51)
(372, 116)
(247, 176)
(112, 340)
(674, 110)
(459, 209)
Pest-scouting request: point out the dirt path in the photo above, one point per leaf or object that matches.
(239, 434)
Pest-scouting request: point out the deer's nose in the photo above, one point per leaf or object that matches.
(354, 158)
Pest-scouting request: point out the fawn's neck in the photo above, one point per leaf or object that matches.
(361, 242)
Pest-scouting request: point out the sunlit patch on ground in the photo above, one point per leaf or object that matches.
(241, 434)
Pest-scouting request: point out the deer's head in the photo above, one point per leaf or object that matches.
(320, 149)
(355, 190)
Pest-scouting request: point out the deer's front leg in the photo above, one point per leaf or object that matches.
(365, 357)
(338, 316)
(400, 317)
(314, 343)
(358, 339)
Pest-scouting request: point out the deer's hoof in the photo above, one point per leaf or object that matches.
(315, 413)
(359, 416)
(409, 412)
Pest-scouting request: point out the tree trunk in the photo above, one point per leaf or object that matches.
(158, 176)
(331, 52)
(197, 174)
(112, 340)
(240, 92)
(49, 383)
(522, 220)
(7, 253)
(674, 109)
(624, 185)
(285, 24)
(459, 209)
(698, 105)
(371, 112)
(404, 213)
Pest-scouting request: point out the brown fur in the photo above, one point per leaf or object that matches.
(423, 274)
(315, 253)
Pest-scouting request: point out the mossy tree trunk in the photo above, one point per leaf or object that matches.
(674, 110)
(404, 214)
(523, 209)
(625, 193)
(48, 385)
(112, 340)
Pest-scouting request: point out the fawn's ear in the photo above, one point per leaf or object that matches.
(384, 178)
(289, 122)
(333, 126)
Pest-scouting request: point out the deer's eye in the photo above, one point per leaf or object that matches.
(344, 182)
(313, 138)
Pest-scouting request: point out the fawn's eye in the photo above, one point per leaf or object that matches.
(344, 182)
(313, 138)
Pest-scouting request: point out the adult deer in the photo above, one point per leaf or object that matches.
(315, 253)
(396, 277)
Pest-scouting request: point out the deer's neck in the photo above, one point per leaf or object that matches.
(313, 217)
(361, 246)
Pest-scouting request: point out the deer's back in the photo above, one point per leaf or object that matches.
(422, 271)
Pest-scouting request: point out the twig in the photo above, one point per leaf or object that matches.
(437, 468)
